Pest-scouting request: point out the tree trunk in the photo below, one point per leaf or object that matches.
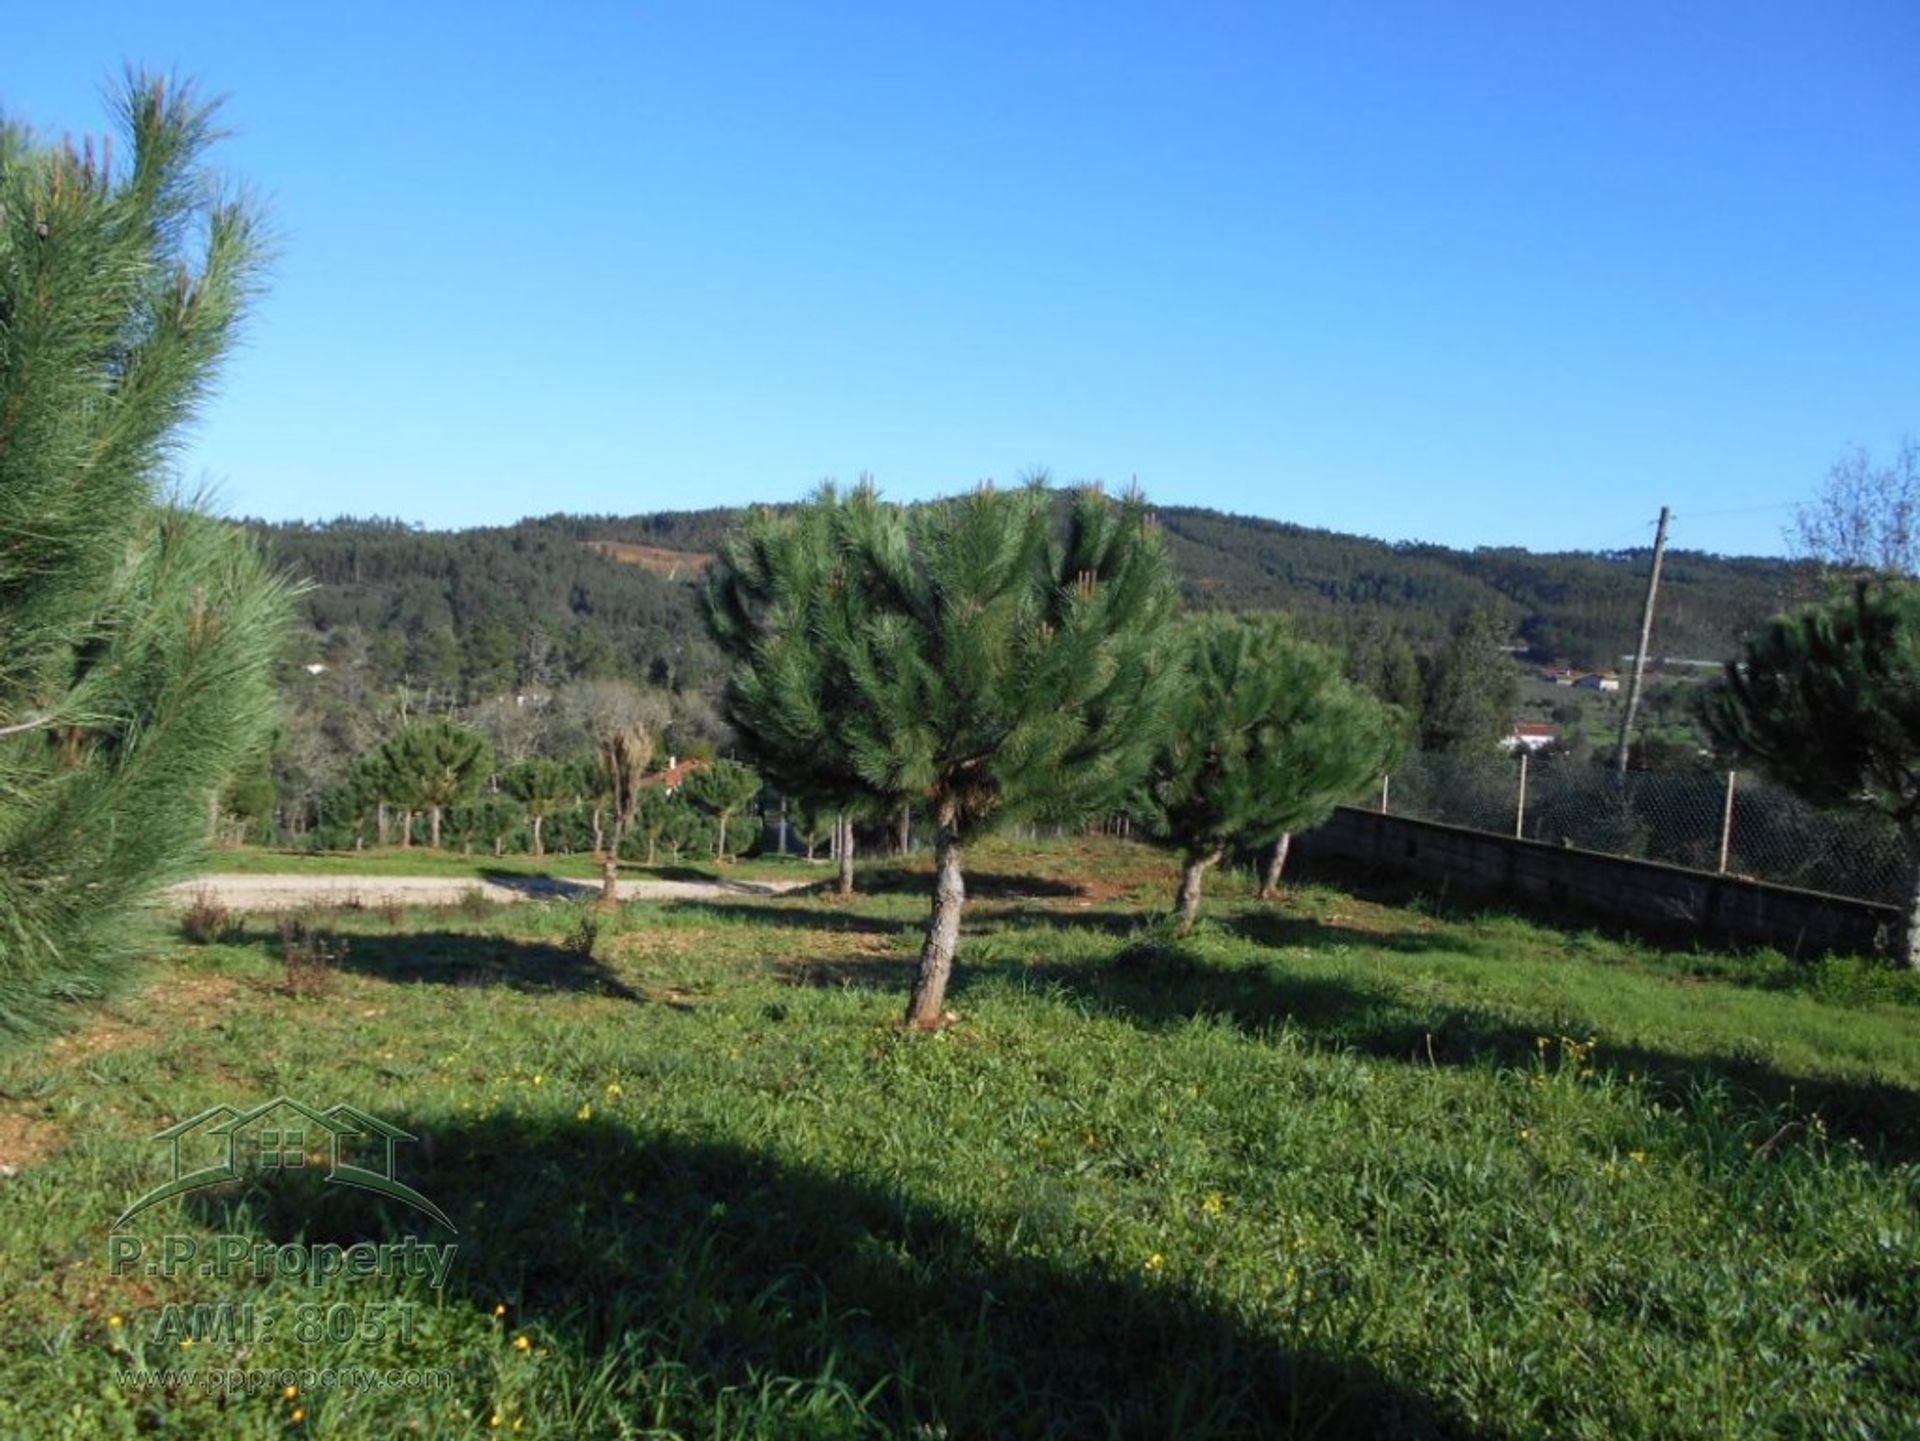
(906, 828)
(380, 823)
(846, 856)
(599, 835)
(433, 827)
(610, 879)
(653, 848)
(1271, 881)
(539, 846)
(943, 928)
(1192, 875)
(720, 841)
(406, 830)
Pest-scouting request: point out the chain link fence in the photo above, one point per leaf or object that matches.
(1738, 824)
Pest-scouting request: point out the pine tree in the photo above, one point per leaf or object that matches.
(723, 788)
(136, 636)
(1828, 700)
(779, 579)
(1266, 738)
(542, 786)
(437, 765)
(971, 657)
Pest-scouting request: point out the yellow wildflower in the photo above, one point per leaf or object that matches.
(1156, 1261)
(299, 1415)
(291, 1392)
(116, 1320)
(613, 1089)
(521, 1343)
(585, 1113)
(500, 1310)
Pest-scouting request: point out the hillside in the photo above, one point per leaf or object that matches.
(562, 596)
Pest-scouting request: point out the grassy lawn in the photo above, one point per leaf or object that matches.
(1332, 1168)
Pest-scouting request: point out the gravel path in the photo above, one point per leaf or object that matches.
(291, 892)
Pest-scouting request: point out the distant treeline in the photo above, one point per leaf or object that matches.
(478, 612)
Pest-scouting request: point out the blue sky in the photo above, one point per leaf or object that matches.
(1476, 274)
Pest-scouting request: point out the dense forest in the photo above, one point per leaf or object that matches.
(489, 625)
(479, 612)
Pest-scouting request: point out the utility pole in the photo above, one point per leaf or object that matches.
(1640, 652)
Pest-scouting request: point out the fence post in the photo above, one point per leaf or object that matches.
(1385, 781)
(1520, 803)
(1726, 825)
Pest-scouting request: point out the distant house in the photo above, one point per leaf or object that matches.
(1529, 736)
(1598, 680)
(1562, 676)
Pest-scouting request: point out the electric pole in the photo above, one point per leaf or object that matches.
(1640, 652)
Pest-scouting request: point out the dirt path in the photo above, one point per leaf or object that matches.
(291, 892)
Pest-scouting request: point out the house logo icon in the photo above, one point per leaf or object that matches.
(222, 1144)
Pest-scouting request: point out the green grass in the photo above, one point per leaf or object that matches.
(1333, 1169)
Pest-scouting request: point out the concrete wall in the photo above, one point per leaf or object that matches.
(1646, 896)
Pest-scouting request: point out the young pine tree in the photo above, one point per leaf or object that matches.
(438, 765)
(542, 786)
(136, 637)
(976, 659)
(1828, 700)
(1266, 738)
(723, 788)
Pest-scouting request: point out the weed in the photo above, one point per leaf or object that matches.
(310, 956)
(584, 934)
(207, 921)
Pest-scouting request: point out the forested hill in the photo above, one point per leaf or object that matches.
(566, 596)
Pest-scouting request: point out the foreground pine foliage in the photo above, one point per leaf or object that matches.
(135, 636)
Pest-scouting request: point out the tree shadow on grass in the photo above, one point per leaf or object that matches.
(540, 885)
(1159, 985)
(852, 972)
(632, 1253)
(917, 880)
(1280, 930)
(454, 958)
(805, 916)
(995, 920)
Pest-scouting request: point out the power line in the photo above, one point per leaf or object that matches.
(1737, 510)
